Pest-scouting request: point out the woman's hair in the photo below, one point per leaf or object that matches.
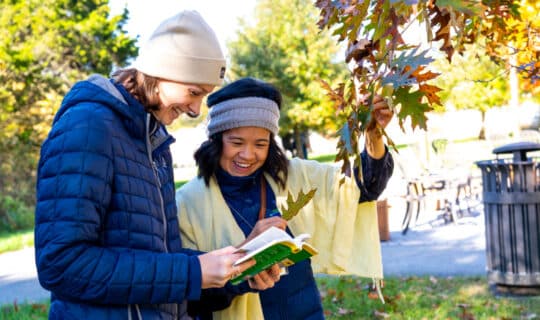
(139, 85)
(207, 157)
(208, 154)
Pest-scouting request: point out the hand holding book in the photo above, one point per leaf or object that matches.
(270, 247)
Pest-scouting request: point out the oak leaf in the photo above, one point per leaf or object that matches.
(294, 206)
(411, 106)
(430, 92)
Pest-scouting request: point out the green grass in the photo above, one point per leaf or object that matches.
(16, 240)
(422, 298)
(470, 139)
(411, 298)
(178, 184)
(324, 158)
(29, 311)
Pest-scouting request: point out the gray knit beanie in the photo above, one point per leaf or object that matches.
(185, 49)
(244, 112)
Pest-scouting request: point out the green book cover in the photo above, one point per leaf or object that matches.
(273, 246)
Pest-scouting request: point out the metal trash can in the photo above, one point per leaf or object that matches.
(511, 197)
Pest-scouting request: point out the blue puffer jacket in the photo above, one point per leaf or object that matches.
(106, 236)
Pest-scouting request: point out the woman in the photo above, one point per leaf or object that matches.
(242, 169)
(106, 235)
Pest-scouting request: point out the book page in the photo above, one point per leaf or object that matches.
(269, 235)
(301, 238)
(269, 238)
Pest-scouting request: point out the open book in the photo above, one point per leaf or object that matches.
(273, 246)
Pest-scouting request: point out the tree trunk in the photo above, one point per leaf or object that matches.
(482, 133)
(298, 143)
(514, 81)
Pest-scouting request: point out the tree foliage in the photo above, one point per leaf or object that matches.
(472, 81)
(284, 46)
(45, 46)
(382, 62)
(524, 43)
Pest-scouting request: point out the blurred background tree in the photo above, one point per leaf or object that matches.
(45, 46)
(472, 81)
(285, 47)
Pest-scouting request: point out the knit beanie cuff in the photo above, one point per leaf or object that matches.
(182, 69)
(244, 112)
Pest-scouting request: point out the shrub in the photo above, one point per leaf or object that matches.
(15, 214)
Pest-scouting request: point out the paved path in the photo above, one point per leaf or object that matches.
(433, 248)
(18, 278)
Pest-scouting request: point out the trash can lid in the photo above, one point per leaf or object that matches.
(519, 149)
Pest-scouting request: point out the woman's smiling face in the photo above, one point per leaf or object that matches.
(245, 150)
(177, 98)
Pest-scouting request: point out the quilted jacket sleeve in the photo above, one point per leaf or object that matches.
(73, 195)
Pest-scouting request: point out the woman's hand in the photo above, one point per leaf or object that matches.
(217, 267)
(263, 224)
(381, 115)
(265, 279)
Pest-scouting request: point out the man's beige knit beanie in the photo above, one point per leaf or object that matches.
(185, 49)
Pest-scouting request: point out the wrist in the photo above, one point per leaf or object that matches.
(375, 133)
(374, 142)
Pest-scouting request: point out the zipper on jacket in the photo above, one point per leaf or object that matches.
(139, 315)
(161, 201)
(156, 175)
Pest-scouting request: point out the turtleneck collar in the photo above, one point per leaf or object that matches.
(232, 184)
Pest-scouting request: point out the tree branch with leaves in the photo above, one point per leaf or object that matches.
(381, 62)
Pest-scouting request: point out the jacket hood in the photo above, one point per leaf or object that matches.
(99, 90)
